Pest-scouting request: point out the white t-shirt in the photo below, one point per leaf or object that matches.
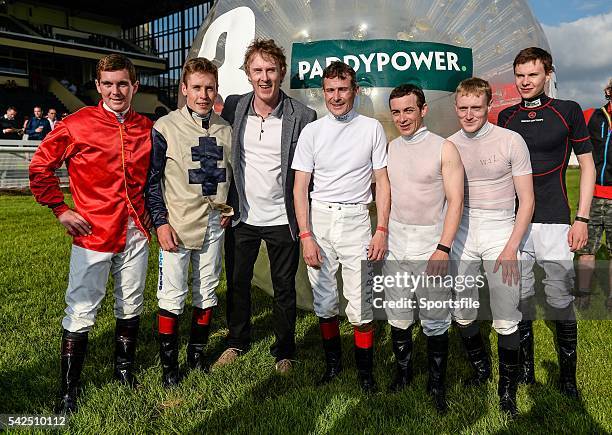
(341, 156)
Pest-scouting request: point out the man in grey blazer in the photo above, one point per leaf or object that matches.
(266, 126)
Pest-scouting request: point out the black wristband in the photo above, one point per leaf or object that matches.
(443, 248)
(581, 219)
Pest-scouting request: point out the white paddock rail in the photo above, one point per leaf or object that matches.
(15, 157)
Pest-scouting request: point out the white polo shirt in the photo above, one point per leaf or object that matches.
(261, 163)
(341, 155)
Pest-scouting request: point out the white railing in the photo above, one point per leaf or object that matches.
(15, 157)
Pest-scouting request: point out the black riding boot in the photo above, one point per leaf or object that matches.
(74, 347)
(330, 334)
(526, 360)
(437, 357)
(402, 349)
(126, 336)
(508, 379)
(200, 329)
(168, 348)
(567, 340)
(364, 359)
(477, 355)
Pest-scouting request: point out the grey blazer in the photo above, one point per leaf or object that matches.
(295, 117)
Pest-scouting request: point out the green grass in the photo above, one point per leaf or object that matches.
(248, 396)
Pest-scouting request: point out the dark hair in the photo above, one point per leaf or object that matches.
(11, 108)
(340, 70)
(408, 89)
(199, 65)
(267, 48)
(474, 86)
(532, 54)
(116, 62)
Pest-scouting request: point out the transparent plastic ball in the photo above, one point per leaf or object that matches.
(495, 31)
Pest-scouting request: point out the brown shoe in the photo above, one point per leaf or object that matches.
(227, 357)
(283, 366)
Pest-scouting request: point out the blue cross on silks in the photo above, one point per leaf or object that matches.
(208, 175)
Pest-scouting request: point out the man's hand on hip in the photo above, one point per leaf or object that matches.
(74, 223)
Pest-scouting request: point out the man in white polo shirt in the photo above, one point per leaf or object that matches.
(497, 170)
(340, 152)
(266, 125)
(425, 172)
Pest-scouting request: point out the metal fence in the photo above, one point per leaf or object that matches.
(15, 157)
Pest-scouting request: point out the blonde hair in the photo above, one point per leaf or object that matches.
(475, 86)
(267, 48)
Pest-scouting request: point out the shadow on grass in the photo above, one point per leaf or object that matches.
(551, 408)
(264, 402)
(295, 404)
(33, 384)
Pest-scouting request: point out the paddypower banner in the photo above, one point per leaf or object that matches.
(383, 63)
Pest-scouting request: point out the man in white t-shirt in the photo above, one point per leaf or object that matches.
(341, 152)
(425, 174)
(497, 170)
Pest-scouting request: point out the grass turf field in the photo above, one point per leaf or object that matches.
(248, 396)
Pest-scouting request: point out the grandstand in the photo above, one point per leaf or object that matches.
(49, 51)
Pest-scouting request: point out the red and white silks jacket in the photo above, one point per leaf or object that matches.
(107, 166)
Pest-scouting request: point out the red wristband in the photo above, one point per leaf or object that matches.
(305, 235)
(383, 229)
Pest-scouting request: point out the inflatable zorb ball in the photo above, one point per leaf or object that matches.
(434, 44)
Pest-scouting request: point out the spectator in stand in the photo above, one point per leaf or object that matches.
(38, 127)
(9, 126)
(52, 117)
